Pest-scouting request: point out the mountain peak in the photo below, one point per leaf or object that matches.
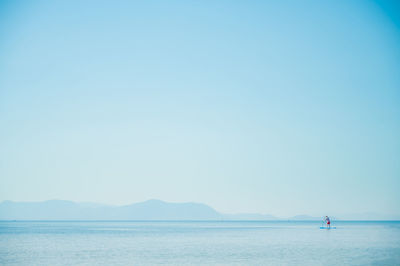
(152, 209)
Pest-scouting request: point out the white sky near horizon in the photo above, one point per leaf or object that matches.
(245, 106)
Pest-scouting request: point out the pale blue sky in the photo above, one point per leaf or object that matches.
(280, 108)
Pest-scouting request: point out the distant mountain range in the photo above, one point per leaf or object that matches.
(147, 210)
(68, 210)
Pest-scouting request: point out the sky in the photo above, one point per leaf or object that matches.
(278, 107)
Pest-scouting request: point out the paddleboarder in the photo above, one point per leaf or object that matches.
(328, 222)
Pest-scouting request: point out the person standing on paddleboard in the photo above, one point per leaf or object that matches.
(328, 222)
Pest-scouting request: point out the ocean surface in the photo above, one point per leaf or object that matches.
(198, 243)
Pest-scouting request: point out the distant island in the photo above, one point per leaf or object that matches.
(147, 210)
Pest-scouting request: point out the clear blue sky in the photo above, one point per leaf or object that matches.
(248, 106)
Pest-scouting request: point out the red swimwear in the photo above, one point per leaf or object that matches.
(328, 222)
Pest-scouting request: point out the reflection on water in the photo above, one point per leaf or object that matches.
(194, 242)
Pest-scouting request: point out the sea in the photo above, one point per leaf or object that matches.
(199, 243)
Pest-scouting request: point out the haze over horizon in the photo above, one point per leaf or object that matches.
(152, 209)
(246, 106)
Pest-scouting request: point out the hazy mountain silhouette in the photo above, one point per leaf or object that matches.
(68, 210)
(147, 210)
(161, 210)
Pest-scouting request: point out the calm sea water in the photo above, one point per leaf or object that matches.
(198, 243)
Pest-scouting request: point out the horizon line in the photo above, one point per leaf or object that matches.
(296, 217)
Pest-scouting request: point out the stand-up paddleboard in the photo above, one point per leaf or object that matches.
(324, 227)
